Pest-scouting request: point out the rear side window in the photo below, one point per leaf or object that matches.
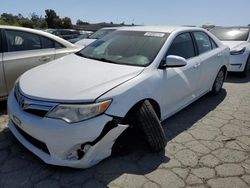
(203, 42)
(182, 46)
(22, 41)
(47, 43)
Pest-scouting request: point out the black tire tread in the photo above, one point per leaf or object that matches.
(151, 126)
(213, 92)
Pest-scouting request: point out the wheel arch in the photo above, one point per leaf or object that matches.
(154, 104)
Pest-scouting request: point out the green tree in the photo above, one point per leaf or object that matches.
(80, 22)
(66, 23)
(9, 18)
(53, 21)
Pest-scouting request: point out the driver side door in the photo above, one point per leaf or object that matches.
(180, 84)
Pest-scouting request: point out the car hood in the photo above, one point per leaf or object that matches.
(74, 78)
(85, 42)
(234, 44)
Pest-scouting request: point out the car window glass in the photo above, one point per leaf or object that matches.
(182, 46)
(20, 41)
(214, 45)
(58, 45)
(47, 43)
(203, 42)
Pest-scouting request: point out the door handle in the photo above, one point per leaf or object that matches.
(46, 58)
(197, 65)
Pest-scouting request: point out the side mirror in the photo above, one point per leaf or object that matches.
(173, 61)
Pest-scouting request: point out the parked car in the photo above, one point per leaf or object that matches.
(66, 34)
(238, 39)
(22, 49)
(71, 111)
(97, 35)
(82, 35)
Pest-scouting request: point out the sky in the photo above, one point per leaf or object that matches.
(146, 12)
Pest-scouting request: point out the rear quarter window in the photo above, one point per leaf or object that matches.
(47, 43)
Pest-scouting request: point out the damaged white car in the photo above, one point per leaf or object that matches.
(71, 111)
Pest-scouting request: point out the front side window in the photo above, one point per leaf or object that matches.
(138, 48)
(203, 42)
(22, 41)
(182, 46)
(231, 34)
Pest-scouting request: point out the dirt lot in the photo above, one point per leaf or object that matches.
(208, 146)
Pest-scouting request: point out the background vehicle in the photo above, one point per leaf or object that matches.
(238, 39)
(66, 34)
(22, 49)
(97, 35)
(82, 35)
(134, 76)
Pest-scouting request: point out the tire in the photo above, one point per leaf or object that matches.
(218, 83)
(246, 69)
(150, 124)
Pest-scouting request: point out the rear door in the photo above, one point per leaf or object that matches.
(3, 89)
(24, 51)
(210, 60)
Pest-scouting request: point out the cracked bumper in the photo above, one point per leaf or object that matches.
(60, 138)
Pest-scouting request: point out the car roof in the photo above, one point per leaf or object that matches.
(232, 27)
(165, 29)
(39, 32)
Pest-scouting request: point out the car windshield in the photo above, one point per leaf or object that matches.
(231, 34)
(138, 48)
(101, 33)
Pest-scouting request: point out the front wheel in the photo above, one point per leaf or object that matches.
(218, 83)
(151, 126)
(246, 69)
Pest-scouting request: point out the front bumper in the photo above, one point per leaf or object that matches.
(63, 141)
(238, 62)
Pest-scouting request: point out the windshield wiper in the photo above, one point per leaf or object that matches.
(98, 59)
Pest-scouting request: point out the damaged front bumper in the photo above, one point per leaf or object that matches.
(80, 145)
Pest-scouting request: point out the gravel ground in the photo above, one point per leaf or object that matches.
(208, 146)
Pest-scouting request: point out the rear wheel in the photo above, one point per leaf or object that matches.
(246, 69)
(150, 124)
(218, 83)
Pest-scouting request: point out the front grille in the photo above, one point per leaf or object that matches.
(38, 108)
(40, 145)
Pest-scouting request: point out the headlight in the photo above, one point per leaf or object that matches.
(75, 113)
(238, 51)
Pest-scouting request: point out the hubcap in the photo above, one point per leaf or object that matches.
(219, 81)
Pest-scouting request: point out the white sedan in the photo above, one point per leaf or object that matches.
(238, 40)
(22, 49)
(71, 111)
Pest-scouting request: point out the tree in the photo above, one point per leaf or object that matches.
(66, 23)
(25, 22)
(80, 22)
(9, 18)
(53, 21)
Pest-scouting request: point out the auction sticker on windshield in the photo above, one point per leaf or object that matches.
(153, 34)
